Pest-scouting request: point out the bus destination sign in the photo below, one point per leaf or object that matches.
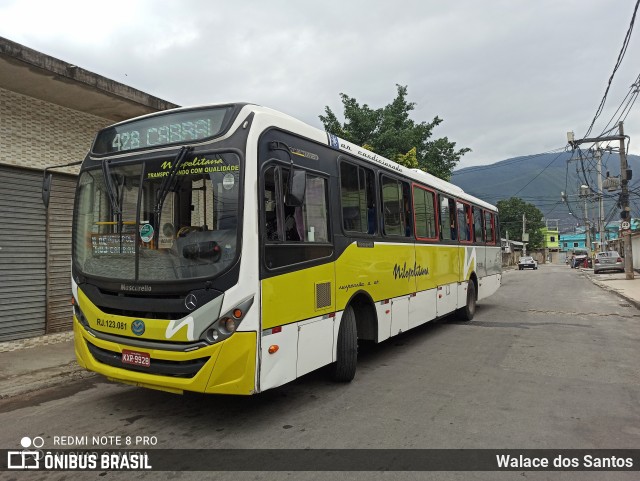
(172, 128)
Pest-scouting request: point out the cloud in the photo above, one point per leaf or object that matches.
(508, 78)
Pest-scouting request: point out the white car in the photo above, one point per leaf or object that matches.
(527, 262)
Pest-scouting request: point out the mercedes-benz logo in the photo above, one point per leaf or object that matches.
(191, 302)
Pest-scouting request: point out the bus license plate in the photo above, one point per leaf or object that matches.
(136, 358)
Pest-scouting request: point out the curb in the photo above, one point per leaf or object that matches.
(30, 342)
(42, 379)
(635, 303)
(55, 370)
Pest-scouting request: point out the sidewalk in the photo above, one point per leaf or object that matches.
(617, 282)
(36, 363)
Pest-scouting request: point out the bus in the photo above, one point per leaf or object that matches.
(231, 249)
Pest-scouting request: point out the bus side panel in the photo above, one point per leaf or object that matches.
(443, 265)
(279, 367)
(489, 285)
(481, 257)
(468, 261)
(494, 260)
(380, 270)
(422, 307)
(315, 344)
(292, 297)
(383, 312)
(399, 315)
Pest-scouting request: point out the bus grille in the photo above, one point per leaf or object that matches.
(323, 295)
(185, 369)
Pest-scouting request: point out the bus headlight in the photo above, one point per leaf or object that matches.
(228, 323)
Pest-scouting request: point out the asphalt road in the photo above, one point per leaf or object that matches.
(550, 361)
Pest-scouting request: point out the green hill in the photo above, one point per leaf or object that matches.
(539, 179)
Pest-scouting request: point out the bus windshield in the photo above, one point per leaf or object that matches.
(137, 222)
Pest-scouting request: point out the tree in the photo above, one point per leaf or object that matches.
(389, 132)
(511, 211)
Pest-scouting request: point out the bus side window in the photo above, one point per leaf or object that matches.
(448, 230)
(424, 206)
(357, 197)
(273, 232)
(489, 228)
(408, 210)
(464, 219)
(395, 206)
(478, 225)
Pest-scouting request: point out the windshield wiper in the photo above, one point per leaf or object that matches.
(108, 180)
(168, 182)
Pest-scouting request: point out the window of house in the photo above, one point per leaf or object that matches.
(424, 208)
(575, 244)
(552, 238)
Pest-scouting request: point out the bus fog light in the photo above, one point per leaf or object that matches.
(214, 334)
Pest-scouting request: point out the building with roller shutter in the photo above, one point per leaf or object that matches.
(50, 111)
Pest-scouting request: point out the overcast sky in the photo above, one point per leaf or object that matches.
(508, 77)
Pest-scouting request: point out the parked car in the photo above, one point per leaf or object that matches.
(609, 260)
(526, 262)
(580, 258)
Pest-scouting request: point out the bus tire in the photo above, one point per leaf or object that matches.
(344, 369)
(467, 312)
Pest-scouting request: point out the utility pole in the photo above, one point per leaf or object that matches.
(584, 193)
(626, 212)
(524, 245)
(600, 198)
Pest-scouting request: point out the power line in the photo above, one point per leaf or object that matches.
(623, 50)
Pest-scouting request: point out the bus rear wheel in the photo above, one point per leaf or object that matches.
(344, 369)
(467, 312)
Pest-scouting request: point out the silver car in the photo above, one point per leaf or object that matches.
(609, 260)
(527, 261)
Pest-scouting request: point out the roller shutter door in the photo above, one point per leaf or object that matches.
(59, 311)
(22, 254)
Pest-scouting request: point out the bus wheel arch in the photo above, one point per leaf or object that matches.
(365, 315)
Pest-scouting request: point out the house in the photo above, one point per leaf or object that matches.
(50, 112)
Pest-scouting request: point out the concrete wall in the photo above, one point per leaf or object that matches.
(36, 134)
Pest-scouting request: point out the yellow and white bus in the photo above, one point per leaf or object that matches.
(231, 249)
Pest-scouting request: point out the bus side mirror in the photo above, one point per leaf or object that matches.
(296, 188)
(46, 188)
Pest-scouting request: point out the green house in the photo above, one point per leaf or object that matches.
(551, 238)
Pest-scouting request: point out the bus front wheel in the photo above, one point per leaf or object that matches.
(344, 369)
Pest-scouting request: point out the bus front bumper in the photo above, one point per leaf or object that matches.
(227, 367)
